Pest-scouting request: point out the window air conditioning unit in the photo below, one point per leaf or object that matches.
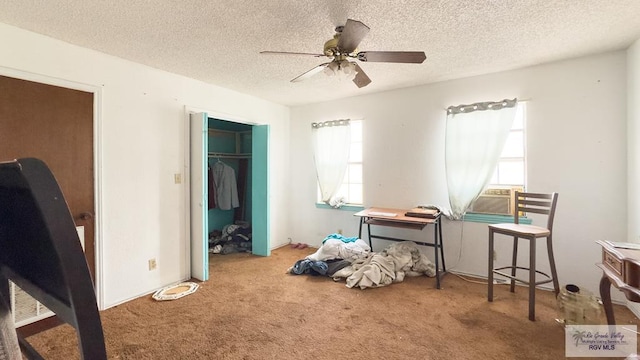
(500, 201)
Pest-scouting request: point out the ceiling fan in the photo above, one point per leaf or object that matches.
(343, 46)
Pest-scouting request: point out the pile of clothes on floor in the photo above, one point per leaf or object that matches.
(351, 259)
(232, 239)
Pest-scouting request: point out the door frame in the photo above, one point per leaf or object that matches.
(188, 110)
(97, 159)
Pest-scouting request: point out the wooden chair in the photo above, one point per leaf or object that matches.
(41, 253)
(526, 203)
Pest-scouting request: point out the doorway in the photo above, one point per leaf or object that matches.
(53, 120)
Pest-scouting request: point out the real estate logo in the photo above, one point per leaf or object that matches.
(600, 340)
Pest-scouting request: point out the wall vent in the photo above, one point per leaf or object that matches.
(26, 309)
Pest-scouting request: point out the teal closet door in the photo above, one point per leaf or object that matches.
(260, 190)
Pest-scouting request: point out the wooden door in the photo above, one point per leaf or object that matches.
(53, 124)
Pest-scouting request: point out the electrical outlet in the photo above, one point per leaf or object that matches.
(152, 264)
(177, 178)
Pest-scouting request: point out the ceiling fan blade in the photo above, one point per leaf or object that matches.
(352, 33)
(361, 79)
(412, 57)
(310, 73)
(289, 53)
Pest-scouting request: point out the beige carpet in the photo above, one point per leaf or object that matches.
(251, 309)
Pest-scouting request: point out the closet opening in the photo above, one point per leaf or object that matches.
(229, 187)
(229, 182)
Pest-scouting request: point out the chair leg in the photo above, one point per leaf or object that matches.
(532, 279)
(490, 270)
(552, 264)
(514, 260)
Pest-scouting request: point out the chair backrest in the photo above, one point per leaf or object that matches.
(536, 203)
(41, 253)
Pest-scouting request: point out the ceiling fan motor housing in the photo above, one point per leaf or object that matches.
(331, 45)
(331, 48)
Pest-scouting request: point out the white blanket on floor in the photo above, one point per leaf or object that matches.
(391, 265)
(337, 249)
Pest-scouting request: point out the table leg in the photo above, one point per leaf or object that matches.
(369, 235)
(605, 295)
(439, 224)
(436, 253)
(490, 268)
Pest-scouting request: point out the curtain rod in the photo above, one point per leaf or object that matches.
(518, 100)
(482, 106)
(339, 122)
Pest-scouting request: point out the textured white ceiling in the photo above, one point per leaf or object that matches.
(219, 41)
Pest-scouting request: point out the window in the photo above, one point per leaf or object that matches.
(352, 187)
(510, 171)
(509, 175)
(474, 140)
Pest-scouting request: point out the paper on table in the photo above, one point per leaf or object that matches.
(380, 213)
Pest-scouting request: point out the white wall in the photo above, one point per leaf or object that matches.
(576, 146)
(633, 150)
(142, 144)
(633, 138)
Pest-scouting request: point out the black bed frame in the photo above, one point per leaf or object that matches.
(41, 253)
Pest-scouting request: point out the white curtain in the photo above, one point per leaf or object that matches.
(331, 144)
(475, 136)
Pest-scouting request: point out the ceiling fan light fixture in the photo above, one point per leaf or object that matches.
(332, 69)
(348, 68)
(341, 69)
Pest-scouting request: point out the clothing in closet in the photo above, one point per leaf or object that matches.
(226, 188)
(211, 188)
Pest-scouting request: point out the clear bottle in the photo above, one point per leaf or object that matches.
(578, 306)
